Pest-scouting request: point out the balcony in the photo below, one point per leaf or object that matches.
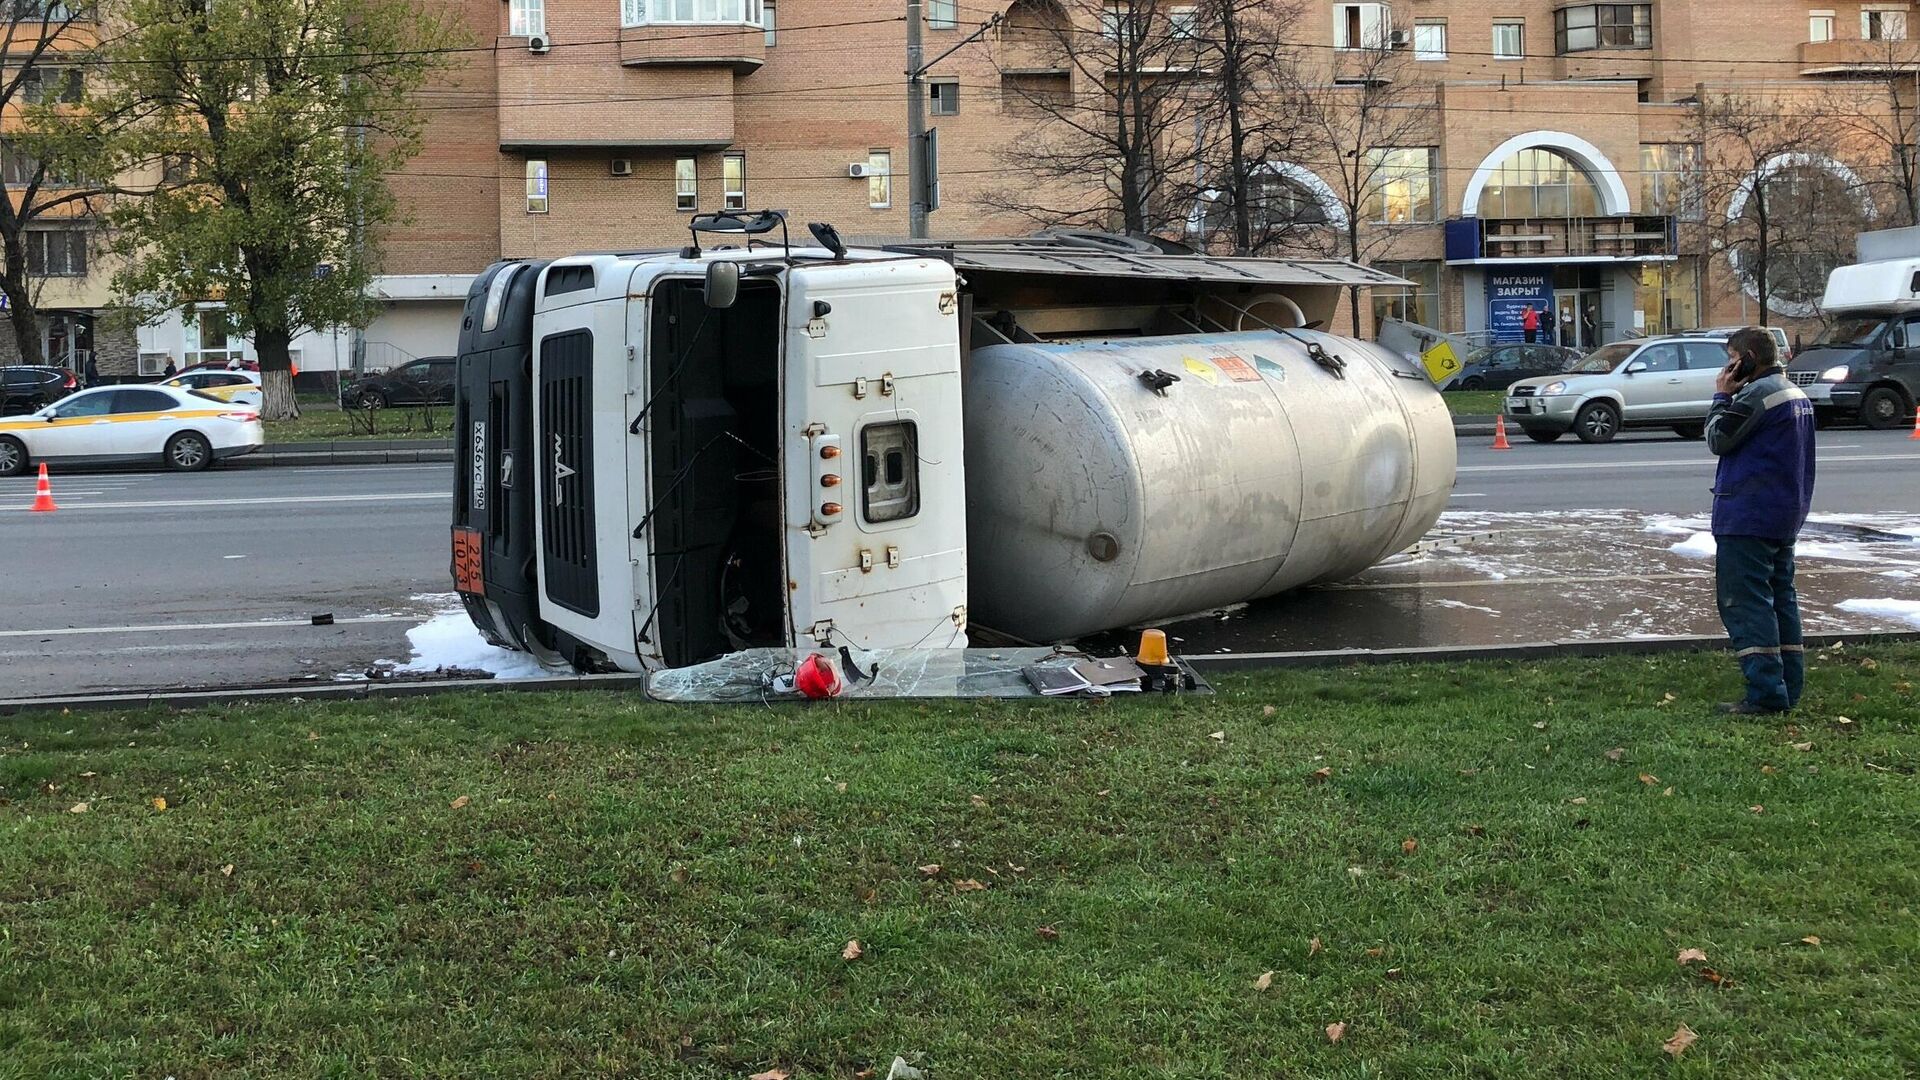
(1594, 239)
(742, 48)
(1630, 63)
(1855, 58)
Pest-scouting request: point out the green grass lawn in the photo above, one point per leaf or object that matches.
(325, 421)
(1480, 871)
(1474, 402)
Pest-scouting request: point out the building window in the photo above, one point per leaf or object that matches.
(1883, 24)
(56, 252)
(879, 179)
(686, 184)
(1429, 40)
(1183, 23)
(697, 12)
(536, 185)
(733, 181)
(945, 97)
(1416, 303)
(21, 168)
(1667, 299)
(527, 18)
(209, 339)
(1112, 21)
(46, 86)
(1276, 203)
(1400, 190)
(943, 14)
(1539, 183)
(1510, 39)
(1670, 180)
(1603, 26)
(1820, 26)
(1362, 26)
(890, 459)
(770, 23)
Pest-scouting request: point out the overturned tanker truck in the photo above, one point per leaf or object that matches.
(666, 456)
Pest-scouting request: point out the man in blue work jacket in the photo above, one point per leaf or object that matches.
(1761, 427)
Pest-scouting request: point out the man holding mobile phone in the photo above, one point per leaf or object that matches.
(1761, 427)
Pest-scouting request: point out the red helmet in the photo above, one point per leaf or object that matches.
(816, 678)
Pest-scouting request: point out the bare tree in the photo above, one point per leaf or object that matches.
(1876, 118)
(1108, 85)
(46, 211)
(1371, 124)
(1777, 201)
(1248, 130)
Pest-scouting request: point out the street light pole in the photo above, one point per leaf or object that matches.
(916, 125)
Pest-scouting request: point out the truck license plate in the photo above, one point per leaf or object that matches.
(467, 575)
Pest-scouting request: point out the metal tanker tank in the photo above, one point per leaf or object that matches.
(1095, 502)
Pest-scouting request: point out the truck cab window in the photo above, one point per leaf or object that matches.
(890, 456)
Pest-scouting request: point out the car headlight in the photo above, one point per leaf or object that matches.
(1835, 374)
(1553, 388)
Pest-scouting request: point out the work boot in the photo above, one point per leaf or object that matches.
(1746, 708)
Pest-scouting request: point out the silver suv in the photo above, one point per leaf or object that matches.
(1663, 382)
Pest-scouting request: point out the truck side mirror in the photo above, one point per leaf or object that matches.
(722, 286)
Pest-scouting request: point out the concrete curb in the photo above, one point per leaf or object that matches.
(1219, 662)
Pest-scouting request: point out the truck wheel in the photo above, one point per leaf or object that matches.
(1597, 422)
(1544, 436)
(13, 457)
(1690, 431)
(1884, 409)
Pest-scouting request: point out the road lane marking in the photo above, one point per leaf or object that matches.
(287, 500)
(1703, 461)
(175, 628)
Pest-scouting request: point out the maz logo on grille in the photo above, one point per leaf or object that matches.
(561, 471)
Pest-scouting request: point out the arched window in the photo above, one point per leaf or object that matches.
(1274, 202)
(1540, 183)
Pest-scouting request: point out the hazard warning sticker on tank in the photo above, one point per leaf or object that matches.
(1270, 369)
(1203, 372)
(1235, 368)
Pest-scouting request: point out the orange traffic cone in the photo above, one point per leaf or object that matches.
(1916, 425)
(1500, 433)
(43, 494)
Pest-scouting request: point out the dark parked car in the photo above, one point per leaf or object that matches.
(422, 382)
(1497, 367)
(25, 389)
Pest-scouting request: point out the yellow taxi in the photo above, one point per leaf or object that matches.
(242, 387)
(185, 430)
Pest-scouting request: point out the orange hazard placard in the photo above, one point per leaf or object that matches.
(467, 577)
(1235, 368)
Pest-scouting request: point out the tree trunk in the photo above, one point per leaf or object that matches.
(1230, 72)
(276, 374)
(20, 308)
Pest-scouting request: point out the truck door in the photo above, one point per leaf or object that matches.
(876, 504)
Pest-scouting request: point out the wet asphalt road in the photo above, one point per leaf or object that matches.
(154, 580)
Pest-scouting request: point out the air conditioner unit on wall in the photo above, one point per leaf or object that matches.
(859, 170)
(620, 166)
(538, 44)
(1400, 39)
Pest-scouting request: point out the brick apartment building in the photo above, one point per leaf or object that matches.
(1554, 166)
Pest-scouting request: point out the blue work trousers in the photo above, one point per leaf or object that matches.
(1754, 586)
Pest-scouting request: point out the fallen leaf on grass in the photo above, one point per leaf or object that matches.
(1683, 1037)
(1649, 779)
(1476, 830)
(1394, 974)
(313, 736)
(866, 1074)
(1803, 747)
(1409, 845)
(1264, 981)
(1869, 664)
(1578, 801)
(1336, 1032)
(1103, 793)
(1688, 956)
(1616, 753)
(1767, 770)
(772, 1074)
(1376, 953)
(91, 775)
(1810, 940)
(1047, 933)
(1757, 809)
(1268, 711)
(841, 787)
(1715, 978)
(1218, 736)
(977, 800)
(1321, 774)
(1843, 721)
(227, 870)
(679, 875)
(968, 885)
(853, 951)
(460, 802)
(932, 869)
(1539, 725)
(1666, 793)
(1313, 946)
(79, 808)
(1666, 701)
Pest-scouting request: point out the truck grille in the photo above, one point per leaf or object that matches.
(565, 453)
(1803, 378)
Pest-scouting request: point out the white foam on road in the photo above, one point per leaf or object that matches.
(449, 640)
(1698, 546)
(1902, 610)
